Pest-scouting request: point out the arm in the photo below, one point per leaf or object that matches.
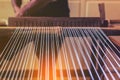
(16, 5)
(32, 6)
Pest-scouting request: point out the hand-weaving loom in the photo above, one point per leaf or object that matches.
(58, 49)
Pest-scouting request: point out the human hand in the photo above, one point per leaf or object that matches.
(18, 14)
(21, 12)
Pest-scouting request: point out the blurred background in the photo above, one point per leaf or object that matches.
(78, 8)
